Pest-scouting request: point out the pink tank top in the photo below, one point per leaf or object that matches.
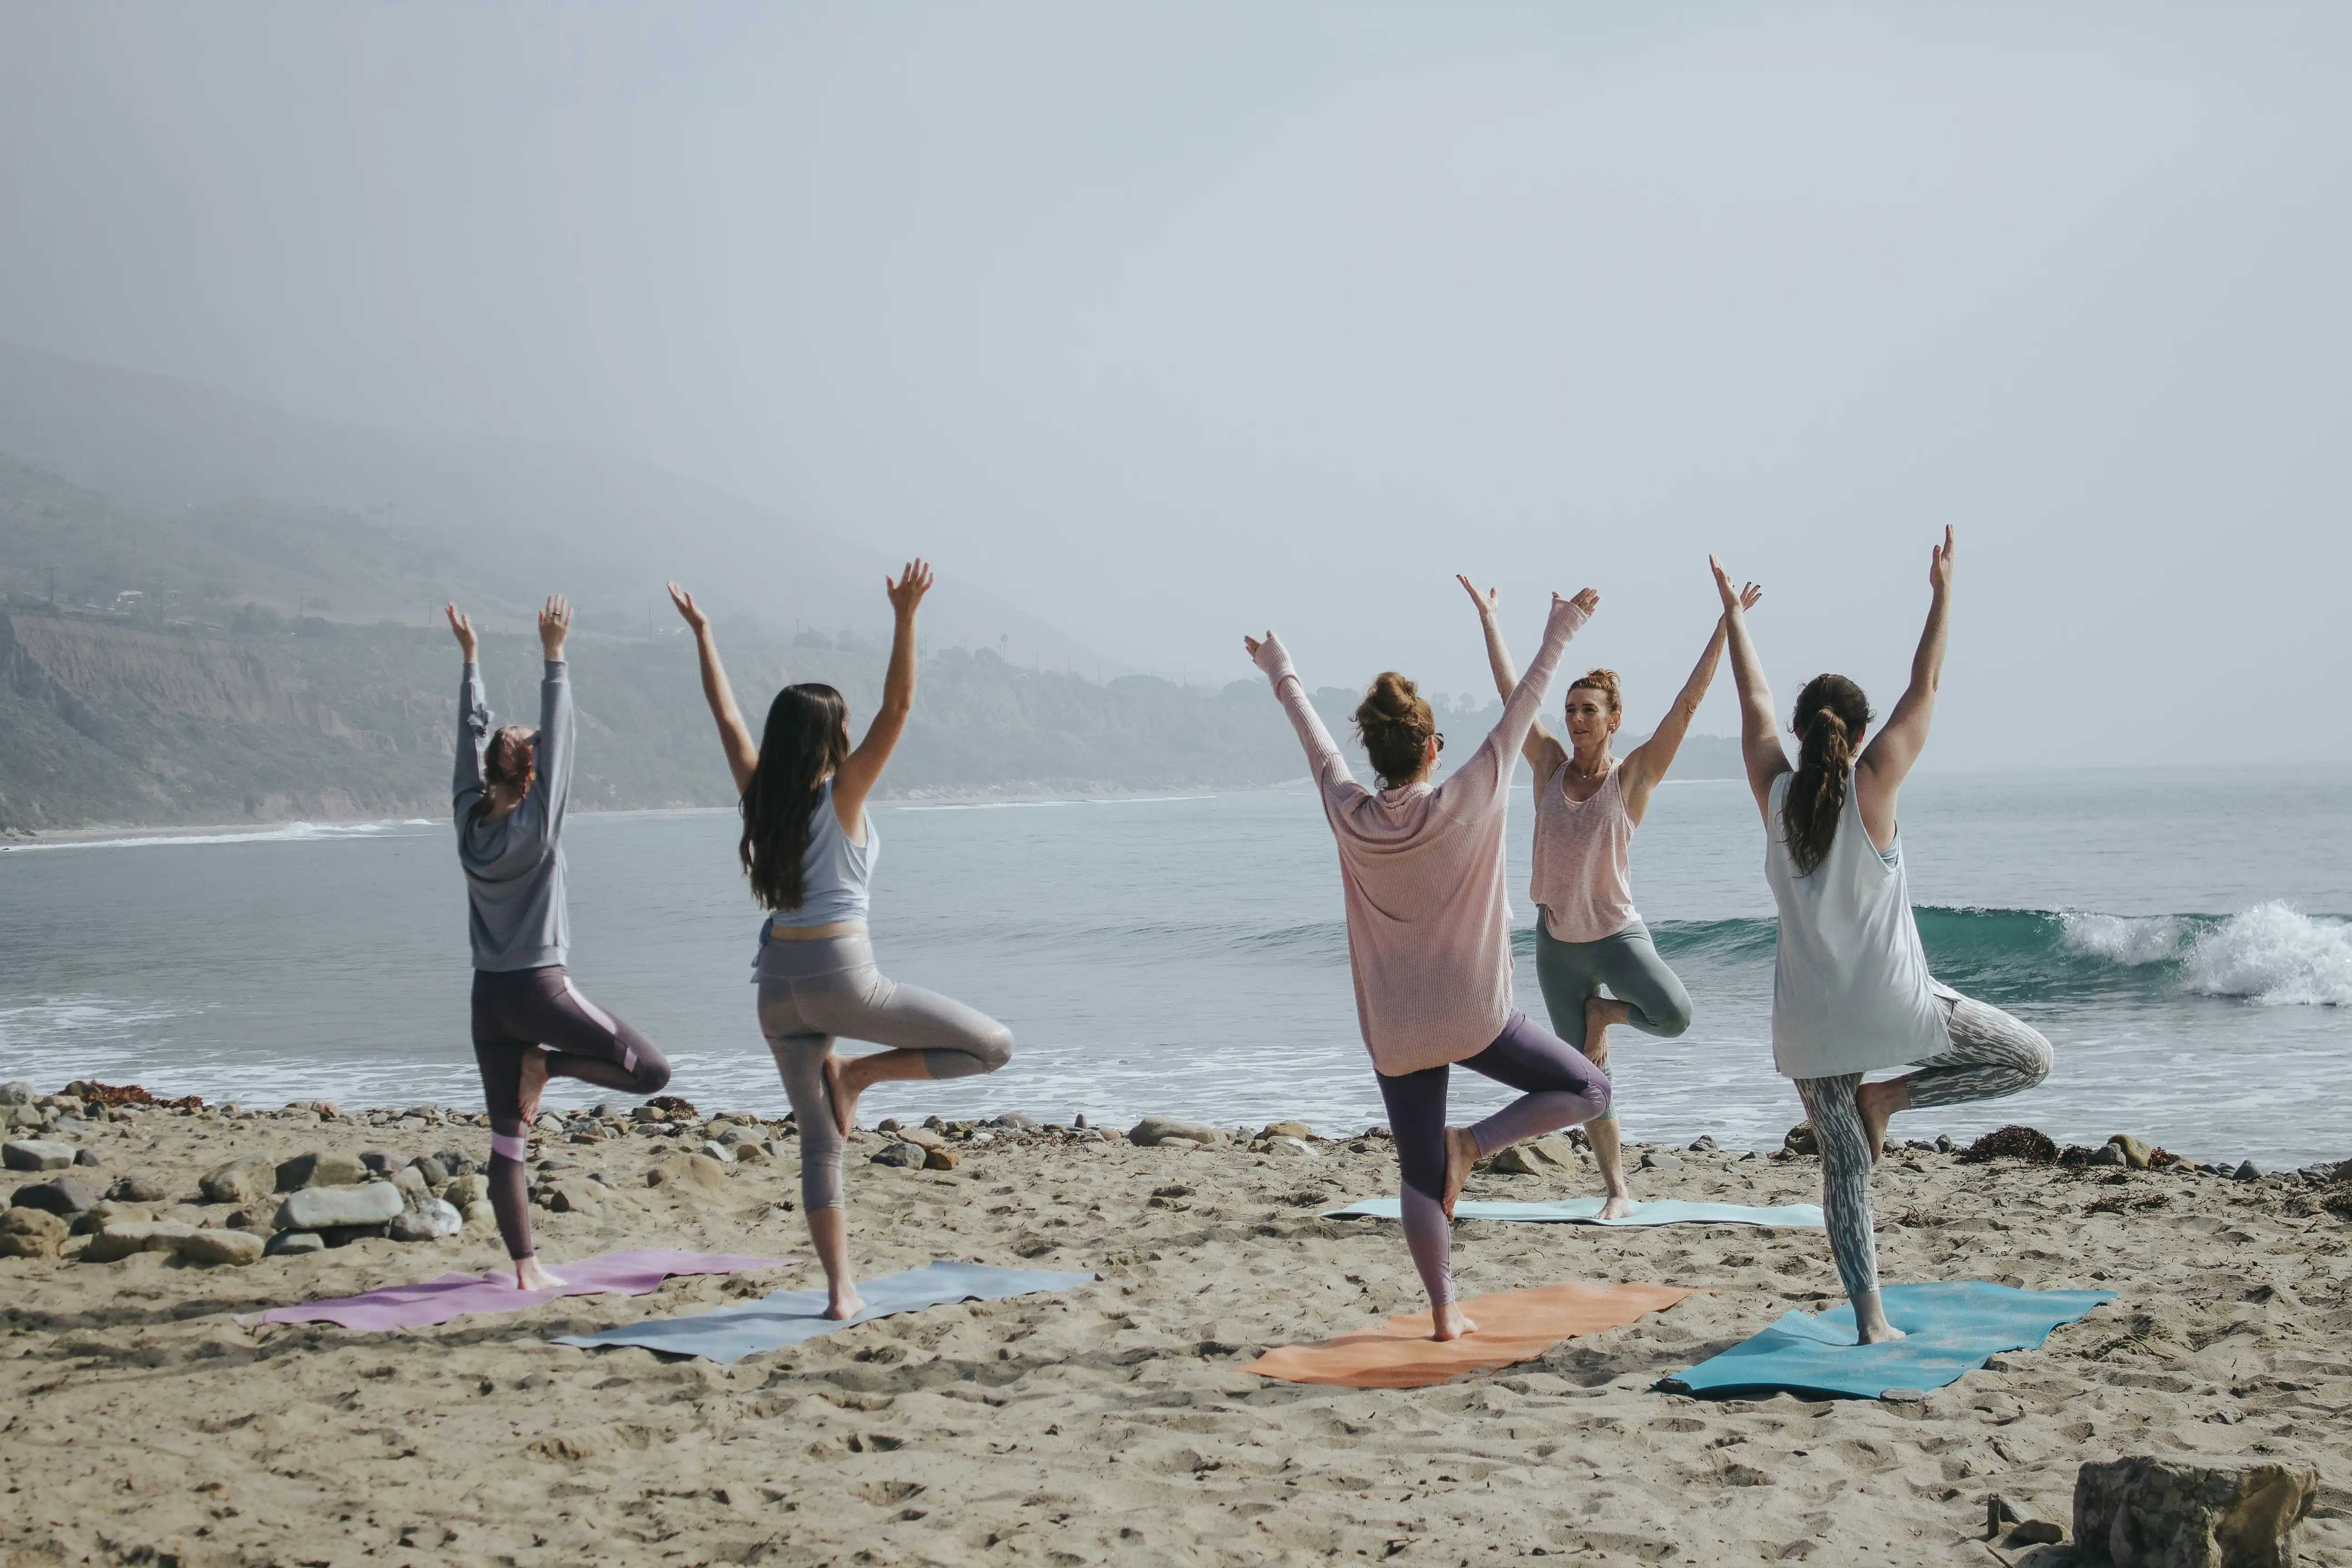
(1584, 873)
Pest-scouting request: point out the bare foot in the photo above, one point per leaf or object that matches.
(1600, 1012)
(1871, 1327)
(1881, 1334)
(530, 1275)
(845, 1307)
(1877, 1103)
(1452, 1322)
(533, 1084)
(1620, 1206)
(842, 1093)
(1461, 1153)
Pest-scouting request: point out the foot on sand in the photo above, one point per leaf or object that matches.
(842, 1090)
(1451, 1321)
(1877, 1103)
(1461, 1153)
(530, 1275)
(533, 1084)
(1619, 1205)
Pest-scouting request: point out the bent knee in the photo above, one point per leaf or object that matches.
(1670, 1021)
(993, 1048)
(653, 1075)
(1602, 1094)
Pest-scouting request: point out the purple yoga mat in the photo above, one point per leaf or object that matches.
(455, 1295)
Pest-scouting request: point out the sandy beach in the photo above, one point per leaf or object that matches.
(1114, 1423)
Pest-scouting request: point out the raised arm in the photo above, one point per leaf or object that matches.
(734, 735)
(1478, 783)
(862, 770)
(1543, 751)
(1646, 763)
(1759, 738)
(553, 789)
(1324, 758)
(1887, 759)
(473, 717)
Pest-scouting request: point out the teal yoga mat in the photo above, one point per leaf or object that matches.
(784, 1318)
(1951, 1327)
(1585, 1211)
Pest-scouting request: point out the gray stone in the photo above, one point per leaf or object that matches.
(320, 1169)
(87, 1156)
(433, 1171)
(383, 1162)
(430, 1223)
(2109, 1155)
(1703, 1144)
(36, 1154)
(1801, 1139)
(718, 1152)
(1944, 1145)
(63, 1195)
(904, 1156)
(320, 1208)
(120, 1240)
(2144, 1512)
(2249, 1171)
(1016, 1121)
(344, 1234)
(480, 1216)
(234, 1247)
(246, 1180)
(921, 1137)
(294, 1243)
(1153, 1131)
(1293, 1147)
(466, 1189)
(1519, 1160)
(16, 1091)
(455, 1163)
(2136, 1151)
(2037, 1533)
(751, 1154)
(139, 1188)
(414, 1189)
(1657, 1160)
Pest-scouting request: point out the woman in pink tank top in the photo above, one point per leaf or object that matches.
(1594, 958)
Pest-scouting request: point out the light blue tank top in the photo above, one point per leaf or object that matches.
(835, 872)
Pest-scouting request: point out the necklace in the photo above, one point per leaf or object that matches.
(1601, 771)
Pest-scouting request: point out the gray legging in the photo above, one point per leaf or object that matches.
(811, 992)
(1572, 972)
(1991, 1054)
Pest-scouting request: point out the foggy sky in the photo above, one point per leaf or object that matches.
(1170, 323)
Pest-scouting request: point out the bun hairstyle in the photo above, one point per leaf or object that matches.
(806, 738)
(1831, 712)
(1604, 682)
(1394, 723)
(506, 761)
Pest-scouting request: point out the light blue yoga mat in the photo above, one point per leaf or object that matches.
(1586, 1211)
(1951, 1328)
(784, 1318)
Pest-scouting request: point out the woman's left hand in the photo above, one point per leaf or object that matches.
(555, 624)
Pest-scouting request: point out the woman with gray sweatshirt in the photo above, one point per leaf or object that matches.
(508, 797)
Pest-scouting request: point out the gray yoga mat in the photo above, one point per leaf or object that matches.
(790, 1317)
(1586, 1211)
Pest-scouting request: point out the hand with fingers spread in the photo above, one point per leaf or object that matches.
(1733, 599)
(1487, 603)
(464, 627)
(1939, 565)
(914, 581)
(689, 609)
(555, 624)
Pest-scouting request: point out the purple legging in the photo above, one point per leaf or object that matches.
(1560, 1088)
(519, 1010)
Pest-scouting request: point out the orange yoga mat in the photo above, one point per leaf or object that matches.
(1513, 1326)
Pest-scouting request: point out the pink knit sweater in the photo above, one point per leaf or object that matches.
(1429, 925)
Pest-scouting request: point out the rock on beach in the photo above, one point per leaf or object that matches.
(318, 1208)
(1153, 1131)
(37, 1155)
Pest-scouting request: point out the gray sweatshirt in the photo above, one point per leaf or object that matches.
(514, 866)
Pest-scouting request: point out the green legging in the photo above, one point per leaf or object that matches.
(1572, 972)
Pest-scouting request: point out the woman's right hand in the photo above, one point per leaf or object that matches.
(914, 581)
(689, 609)
(1735, 600)
(464, 629)
(1486, 602)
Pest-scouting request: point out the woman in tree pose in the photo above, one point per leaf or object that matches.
(1588, 933)
(809, 847)
(1429, 937)
(1851, 991)
(508, 797)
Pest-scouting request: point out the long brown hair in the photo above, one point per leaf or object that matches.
(1394, 723)
(1831, 712)
(806, 738)
(506, 764)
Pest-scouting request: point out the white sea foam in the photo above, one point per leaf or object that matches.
(288, 832)
(2276, 956)
(2127, 939)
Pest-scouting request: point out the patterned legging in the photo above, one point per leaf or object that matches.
(1991, 1054)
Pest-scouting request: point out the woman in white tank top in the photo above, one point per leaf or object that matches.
(1594, 958)
(1851, 990)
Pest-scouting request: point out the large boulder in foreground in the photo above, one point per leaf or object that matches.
(2178, 1513)
(1151, 1130)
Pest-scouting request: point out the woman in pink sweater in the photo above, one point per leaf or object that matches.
(1429, 937)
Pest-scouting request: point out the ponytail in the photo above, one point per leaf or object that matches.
(1831, 712)
(806, 738)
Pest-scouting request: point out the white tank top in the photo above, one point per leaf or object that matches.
(1851, 991)
(1583, 880)
(835, 872)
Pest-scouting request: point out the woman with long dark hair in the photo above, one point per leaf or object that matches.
(510, 792)
(1429, 937)
(1851, 991)
(808, 848)
(1589, 804)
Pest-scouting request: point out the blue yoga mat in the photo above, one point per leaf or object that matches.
(1951, 1327)
(784, 1318)
(1586, 1211)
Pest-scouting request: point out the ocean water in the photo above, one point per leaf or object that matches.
(2184, 938)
